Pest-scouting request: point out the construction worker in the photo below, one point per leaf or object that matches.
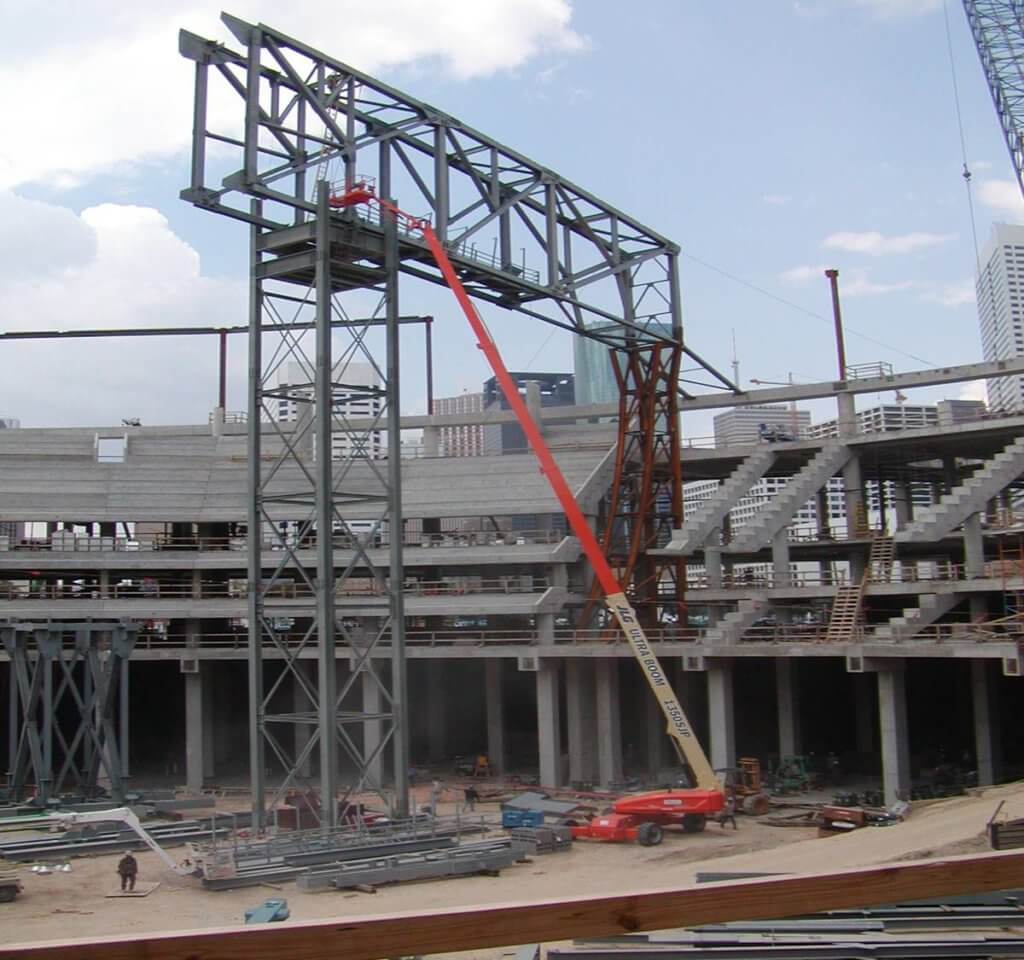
(728, 812)
(127, 870)
(471, 797)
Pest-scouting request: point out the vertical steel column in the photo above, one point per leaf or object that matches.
(254, 527)
(323, 416)
(122, 715)
(399, 679)
(12, 704)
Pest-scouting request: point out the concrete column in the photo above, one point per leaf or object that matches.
(853, 493)
(534, 403)
(431, 442)
(198, 729)
(864, 713)
(437, 711)
(609, 721)
(713, 566)
(846, 406)
(546, 628)
(788, 697)
(581, 719)
(974, 547)
(892, 716)
(780, 558)
(549, 723)
(903, 504)
(721, 719)
(657, 738)
(104, 584)
(495, 715)
(986, 724)
(301, 704)
(373, 730)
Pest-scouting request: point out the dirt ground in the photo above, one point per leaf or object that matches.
(74, 904)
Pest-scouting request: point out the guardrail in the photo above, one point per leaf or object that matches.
(149, 588)
(908, 572)
(789, 634)
(153, 542)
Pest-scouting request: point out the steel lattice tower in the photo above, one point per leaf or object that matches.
(521, 238)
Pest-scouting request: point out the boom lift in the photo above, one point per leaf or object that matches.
(126, 816)
(631, 816)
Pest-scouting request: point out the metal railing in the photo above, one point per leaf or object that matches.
(781, 634)
(908, 572)
(158, 541)
(154, 589)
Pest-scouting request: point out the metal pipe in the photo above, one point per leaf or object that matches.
(254, 552)
(323, 412)
(399, 678)
(222, 393)
(833, 277)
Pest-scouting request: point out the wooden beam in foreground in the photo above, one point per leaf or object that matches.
(468, 928)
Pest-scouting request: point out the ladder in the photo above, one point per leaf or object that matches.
(845, 613)
(880, 559)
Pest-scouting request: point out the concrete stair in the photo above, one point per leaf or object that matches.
(933, 523)
(783, 507)
(733, 625)
(930, 607)
(712, 512)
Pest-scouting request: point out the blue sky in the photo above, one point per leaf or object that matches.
(769, 138)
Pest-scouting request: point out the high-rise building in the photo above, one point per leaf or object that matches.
(463, 440)
(1000, 295)
(358, 393)
(745, 424)
(594, 376)
(556, 390)
(885, 418)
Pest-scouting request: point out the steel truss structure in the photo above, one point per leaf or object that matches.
(998, 29)
(68, 720)
(520, 237)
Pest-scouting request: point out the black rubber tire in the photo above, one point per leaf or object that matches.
(8, 893)
(649, 835)
(694, 822)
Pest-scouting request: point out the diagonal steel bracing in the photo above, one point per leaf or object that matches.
(65, 730)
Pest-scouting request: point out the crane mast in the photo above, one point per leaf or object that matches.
(679, 729)
(998, 30)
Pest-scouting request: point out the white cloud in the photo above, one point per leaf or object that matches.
(953, 295)
(973, 390)
(1002, 196)
(776, 199)
(857, 284)
(877, 244)
(852, 283)
(126, 269)
(127, 93)
(797, 276)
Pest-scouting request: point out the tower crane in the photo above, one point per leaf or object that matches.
(998, 30)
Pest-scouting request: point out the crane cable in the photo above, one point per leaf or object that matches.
(966, 174)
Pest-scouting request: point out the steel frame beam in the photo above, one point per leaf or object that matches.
(520, 235)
